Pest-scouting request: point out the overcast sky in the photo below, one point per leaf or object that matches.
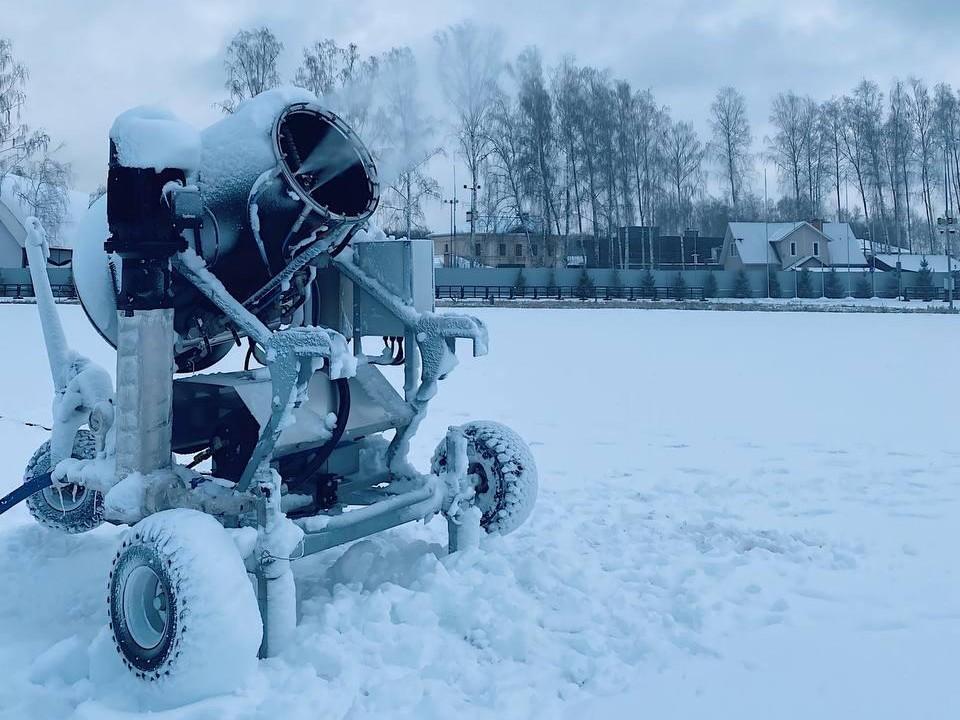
(90, 60)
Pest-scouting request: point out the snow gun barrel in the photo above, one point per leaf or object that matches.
(276, 179)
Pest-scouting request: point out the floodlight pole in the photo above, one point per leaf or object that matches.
(766, 229)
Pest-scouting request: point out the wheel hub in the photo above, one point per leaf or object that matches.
(145, 603)
(64, 498)
(485, 495)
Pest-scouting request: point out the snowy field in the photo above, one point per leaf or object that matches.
(742, 515)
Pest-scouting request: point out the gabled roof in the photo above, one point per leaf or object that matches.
(800, 262)
(911, 263)
(754, 241)
(14, 212)
(845, 247)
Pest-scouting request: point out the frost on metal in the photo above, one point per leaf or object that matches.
(80, 385)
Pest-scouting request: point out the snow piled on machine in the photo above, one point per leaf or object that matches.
(152, 137)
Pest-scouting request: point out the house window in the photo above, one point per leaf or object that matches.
(733, 249)
(533, 249)
(446, 248)
(518, 250)
(793, 249)
(816, 248)
(476, 249)
(502, 249)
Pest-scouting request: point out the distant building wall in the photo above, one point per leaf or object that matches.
(11, 254)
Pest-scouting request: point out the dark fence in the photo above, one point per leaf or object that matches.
(22, 290)
(925, 293)
(560, 292)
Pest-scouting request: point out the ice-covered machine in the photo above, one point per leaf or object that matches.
(252, 233)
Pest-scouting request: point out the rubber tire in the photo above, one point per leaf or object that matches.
(510, 471)
(88, 514)
(213, 628)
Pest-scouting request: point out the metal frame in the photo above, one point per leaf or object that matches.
(392, 496)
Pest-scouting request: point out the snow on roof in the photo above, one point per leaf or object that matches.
(911, 263)
(753, 240)
(17, 211)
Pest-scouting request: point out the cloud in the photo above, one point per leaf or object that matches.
(91, 60)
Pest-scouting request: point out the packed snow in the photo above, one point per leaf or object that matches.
(746, 515)
(152, 137)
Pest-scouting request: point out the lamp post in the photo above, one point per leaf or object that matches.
(947, 226)
(453, 222)
(473, 206)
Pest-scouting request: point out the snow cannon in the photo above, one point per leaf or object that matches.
(255, 228)
(260, 194)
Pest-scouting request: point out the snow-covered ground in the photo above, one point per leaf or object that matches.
(742, 515)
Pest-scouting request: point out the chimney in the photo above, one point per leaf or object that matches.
(817, 223)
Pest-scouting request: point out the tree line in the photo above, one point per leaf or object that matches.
(571, 150)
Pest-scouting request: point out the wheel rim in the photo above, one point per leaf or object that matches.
(145, 603)
(486, 491)
(66, 498)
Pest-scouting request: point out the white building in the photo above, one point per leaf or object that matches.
(14, 212)
(791, 246)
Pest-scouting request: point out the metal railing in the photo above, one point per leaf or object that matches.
(924, 293)
(566, 292)
(25, 290)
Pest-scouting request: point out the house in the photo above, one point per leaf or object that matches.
(14, 212)
(791, 246)
(911, 262)
(499, 250)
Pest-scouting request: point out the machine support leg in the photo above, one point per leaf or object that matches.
(463, 531)
(277, 599)
(278, 539)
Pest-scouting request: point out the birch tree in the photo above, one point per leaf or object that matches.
(786, 146)
(535, 104)
(407, 148)
(251, 65)
(921, 112)
(833, 128)
(731, 138)
(684, 156)
(17, 141)
(469, 66)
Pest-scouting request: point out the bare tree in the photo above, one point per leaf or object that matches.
(898, 141)
(408, 136)
(570, 105)
(43, 189)
(470, 64)
(326, 67)
(855, 134)
(684, 155)
(251, 65)
(626, 120)
(347, 83)
(946, 117)
(787, 145)
(17, 142)
(831, 113)
(922, 111)
(731, 138)
(509, 160)
(652, 123)
(536, 107)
